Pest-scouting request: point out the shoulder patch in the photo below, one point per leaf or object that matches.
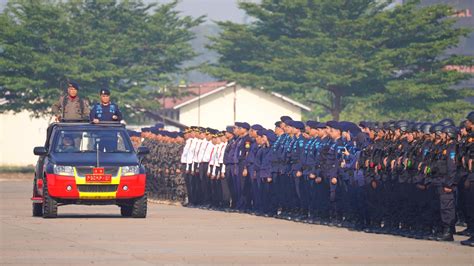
(452, 155)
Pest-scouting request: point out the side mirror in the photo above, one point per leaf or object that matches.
(40, 151)
(142, 150)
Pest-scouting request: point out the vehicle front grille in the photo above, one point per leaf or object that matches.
(82, 171)
(97, 188)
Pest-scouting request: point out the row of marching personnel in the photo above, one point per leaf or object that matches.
(399, 177)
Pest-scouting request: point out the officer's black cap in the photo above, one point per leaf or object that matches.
(104, 92)
(470, 117)
(436, 129)
(446, 122)
(73, 84)
(451, 131)
(425, 128)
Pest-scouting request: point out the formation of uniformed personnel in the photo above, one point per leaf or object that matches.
(398, 177)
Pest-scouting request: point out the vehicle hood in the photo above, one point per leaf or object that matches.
(90, 159)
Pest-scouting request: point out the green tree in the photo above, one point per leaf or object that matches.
(342, 54)
(127, 46)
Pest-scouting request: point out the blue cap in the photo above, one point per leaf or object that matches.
(261, 132)
(285, 119)
(296, 124)
(73, 84)
(159, 125)
(256, 127)
(312, 124)
(271, 136)
(243, 125)
(230, 129)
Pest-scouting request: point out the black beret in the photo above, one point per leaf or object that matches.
(73, 84)
(470, 117)
(425, 128)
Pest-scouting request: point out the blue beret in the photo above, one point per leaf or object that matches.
(295, 124)
(173, 134)
(277, 123)
(334, 124)
(230, 129)
(256, 127)
(146, 129)
(285, 119)
(271, 136)
(312, 124)
(261, 132)
(243, 125)
(159, 125)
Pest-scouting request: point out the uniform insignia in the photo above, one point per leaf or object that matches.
(452, 155)
(247, 145)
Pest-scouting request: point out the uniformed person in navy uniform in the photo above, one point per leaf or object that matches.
(105, 110)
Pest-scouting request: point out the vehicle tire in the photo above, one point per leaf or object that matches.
(126, 211)
(50, 206)
(139, 207)
(37, 207)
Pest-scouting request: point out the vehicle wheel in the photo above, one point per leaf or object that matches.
(50, 206)
(126, 211)
(139, 207)
(37, 207)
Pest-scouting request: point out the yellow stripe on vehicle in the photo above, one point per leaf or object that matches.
(97, 195)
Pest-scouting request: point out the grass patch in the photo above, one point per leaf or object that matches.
(17, 169)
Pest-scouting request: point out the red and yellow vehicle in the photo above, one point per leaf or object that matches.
(91, 164)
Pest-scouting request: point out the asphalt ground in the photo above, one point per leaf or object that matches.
(176, 235)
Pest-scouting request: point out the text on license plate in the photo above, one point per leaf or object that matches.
(98, 178)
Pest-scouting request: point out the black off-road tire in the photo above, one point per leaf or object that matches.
(50, 205)
(139, 207)
(126, 210)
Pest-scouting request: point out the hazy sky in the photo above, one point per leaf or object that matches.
(213, 9)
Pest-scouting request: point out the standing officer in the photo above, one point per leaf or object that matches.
(105, 110)
(71, 106)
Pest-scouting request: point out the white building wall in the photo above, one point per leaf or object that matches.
(252, 106)
(19, 134)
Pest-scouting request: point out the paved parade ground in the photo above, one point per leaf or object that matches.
(177, 235)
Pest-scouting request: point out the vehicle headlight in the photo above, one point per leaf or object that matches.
(130, 170)
(64, 170)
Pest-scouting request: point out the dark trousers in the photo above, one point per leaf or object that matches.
(468, 193)
(205, 183)
(446, 208)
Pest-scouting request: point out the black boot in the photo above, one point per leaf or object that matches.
(468, 242)
(447, 235)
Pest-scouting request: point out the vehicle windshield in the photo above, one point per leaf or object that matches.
(82, 141)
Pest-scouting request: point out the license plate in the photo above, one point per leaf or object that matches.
(98, 178)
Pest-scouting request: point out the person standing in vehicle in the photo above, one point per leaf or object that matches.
(105, 110)
(71, 106)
